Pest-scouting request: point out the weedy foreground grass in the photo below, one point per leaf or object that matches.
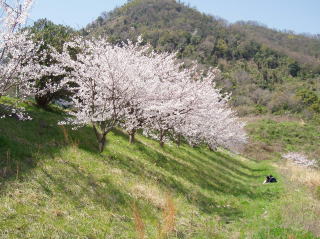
(54, 184)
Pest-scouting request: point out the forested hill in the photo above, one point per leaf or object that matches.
(302, 47)
(264, 74)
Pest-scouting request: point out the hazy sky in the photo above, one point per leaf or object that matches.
(297, 15)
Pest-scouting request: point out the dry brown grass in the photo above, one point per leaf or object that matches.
(166, 225)
(65, 134)
(138, 222)
(149, 193)
(168, 218)
(301, 209)
(261, 151)
(300, 174)
(302, 213)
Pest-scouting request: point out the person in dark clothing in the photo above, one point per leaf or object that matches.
(270, 179)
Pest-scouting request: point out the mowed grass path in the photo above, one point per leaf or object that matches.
(54, 184)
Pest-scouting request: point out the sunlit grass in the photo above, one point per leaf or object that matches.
(58, 186)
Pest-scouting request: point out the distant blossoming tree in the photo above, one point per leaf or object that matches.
(300, 159)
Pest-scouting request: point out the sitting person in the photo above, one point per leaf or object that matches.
(270, 179)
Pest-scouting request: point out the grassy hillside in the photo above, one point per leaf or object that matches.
(54, 184)
(272, 136)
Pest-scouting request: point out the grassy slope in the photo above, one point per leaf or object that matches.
(272, 136)
(53, 186)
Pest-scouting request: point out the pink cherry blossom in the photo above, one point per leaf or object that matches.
(130, 85)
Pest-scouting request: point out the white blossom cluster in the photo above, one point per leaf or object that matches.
(15, 112)
(19, 61)
(300, 159)
(132, 86)
(16, 49)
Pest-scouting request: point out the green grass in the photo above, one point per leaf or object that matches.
(293, 135)
(54, 187)
(286, 136)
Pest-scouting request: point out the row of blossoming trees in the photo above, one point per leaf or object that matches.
(127, 85)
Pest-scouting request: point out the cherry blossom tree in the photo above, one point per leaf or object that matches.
(50, 37)
(126, 85)
(130, 85)
(107, 82)
(184, 102)
(18, 59)
(16, 49)
(211, 120)
(169, 99)
(134, 120)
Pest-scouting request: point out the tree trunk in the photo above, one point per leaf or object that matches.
(161, 138)
(101, 136)
(213, 148)
(102, 143)
(132, 136)
(43, 101)
(179, 140)
(161, 144)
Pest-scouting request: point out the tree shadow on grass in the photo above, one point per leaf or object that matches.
(219, 160)
(24, 143)
(189, 176)
(175, 183)
(99, 191)
(76, 186)
(194, 176)
(207, 162)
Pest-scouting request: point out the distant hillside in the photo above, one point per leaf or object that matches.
(263, 74)
(304, 48)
